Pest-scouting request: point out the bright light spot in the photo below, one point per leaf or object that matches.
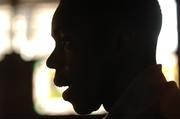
(40, 43)
(45, 101)
(5, 27)
(19, 28)
(167, 42)
(168, 35)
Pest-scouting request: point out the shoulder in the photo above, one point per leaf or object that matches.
(170, 100)
(149, 95)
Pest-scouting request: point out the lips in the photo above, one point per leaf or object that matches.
(80, 105)
(66, 94)
(80, 108)
(61, 78)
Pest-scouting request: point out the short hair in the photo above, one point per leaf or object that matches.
(144, 13)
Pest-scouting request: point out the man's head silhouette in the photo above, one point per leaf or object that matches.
(100, 46)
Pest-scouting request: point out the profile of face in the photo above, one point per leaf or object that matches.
(77, 61)
(82, 59)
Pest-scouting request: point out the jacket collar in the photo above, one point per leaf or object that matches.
(140, 95)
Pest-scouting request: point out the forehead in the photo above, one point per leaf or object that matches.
(72, 13)
(66, 23)
(64, 16)
(56, 19)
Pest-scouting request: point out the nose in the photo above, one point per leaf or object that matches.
(51, 61)
(56, 59)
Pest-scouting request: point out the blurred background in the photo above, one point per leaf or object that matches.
(26, 84)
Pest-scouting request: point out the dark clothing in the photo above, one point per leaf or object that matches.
(148, 96)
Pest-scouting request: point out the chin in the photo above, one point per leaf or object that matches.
(81, 104)
(84, 109)
(109, 104)
(107, 107)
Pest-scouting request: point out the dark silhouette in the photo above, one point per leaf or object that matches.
(105, 52)
(16, 88)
